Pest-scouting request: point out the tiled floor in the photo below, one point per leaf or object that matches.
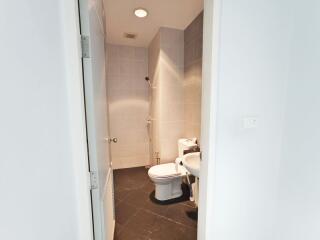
(140, 216)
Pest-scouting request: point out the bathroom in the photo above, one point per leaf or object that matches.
(260, 156)
(154, 73)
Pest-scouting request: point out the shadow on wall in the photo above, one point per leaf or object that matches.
(166, 65)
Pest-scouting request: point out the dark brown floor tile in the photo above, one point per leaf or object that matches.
(148, 186)
(121, 193)
(139, 173)
(183, 214)
(128, 234)
(125, 182)
(143, 200)
(165, 229)
(117, 230)
(142, 223)
(189, 203)
(139, 216)
(131, 178)
(124, 212)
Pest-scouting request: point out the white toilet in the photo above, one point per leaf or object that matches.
(168, 177)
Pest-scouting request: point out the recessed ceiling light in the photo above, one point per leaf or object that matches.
(140, 12)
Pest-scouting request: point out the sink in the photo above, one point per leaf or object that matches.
(191, 162)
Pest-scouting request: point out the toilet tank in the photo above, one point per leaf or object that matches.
(186, 144)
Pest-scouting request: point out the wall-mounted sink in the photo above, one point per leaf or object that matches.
(191, 162)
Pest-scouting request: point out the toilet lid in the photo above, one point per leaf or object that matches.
(164, 171)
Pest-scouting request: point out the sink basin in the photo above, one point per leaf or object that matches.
(191, 162)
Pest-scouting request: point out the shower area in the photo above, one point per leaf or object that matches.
(154, 95)
(128, 103)
(166, 71)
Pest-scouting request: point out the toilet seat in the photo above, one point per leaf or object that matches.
(167, 170)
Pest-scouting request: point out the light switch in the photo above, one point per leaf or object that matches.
(250, 122)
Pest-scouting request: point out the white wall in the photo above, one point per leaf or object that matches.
(299, 191)
(266, 181)
(37, 181)
(253, 63)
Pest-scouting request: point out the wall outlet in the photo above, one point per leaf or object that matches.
(250, 122)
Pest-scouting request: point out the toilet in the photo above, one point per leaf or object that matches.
(168, 177)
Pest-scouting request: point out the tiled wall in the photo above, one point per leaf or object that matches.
(128, 102)
(193, 77)
(171, 125)
(154, 75)
(166, 61)
(174, 63)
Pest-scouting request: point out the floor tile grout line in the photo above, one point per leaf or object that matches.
(129, 185)
(155, 213)
(168, 219)
(127, 222)
(124, 226)
(137, 210)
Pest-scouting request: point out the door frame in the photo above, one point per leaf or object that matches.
(72, 42)
(70, 22)
(211, 43)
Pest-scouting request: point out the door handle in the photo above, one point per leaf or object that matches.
(110, 140)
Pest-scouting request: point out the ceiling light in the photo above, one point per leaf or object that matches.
(140, 12)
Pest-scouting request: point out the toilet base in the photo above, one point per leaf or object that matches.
(168, 190)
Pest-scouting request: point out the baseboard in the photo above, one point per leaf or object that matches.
(111, 236)
(130, 166)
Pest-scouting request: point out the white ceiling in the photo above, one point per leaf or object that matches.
(162, 13)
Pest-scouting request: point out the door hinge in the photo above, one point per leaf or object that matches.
(85, 47)
(93, 180)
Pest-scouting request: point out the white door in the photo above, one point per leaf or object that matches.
(92, 29)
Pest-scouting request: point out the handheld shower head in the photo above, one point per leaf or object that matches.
(148, 80)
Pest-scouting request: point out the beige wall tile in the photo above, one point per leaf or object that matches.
(174, 63)
(128, 103)
(171, 93)
(193, 77)
(176, 101)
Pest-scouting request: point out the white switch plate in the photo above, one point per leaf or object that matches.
(250, 122)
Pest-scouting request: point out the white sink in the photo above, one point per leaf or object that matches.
(191, 162)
